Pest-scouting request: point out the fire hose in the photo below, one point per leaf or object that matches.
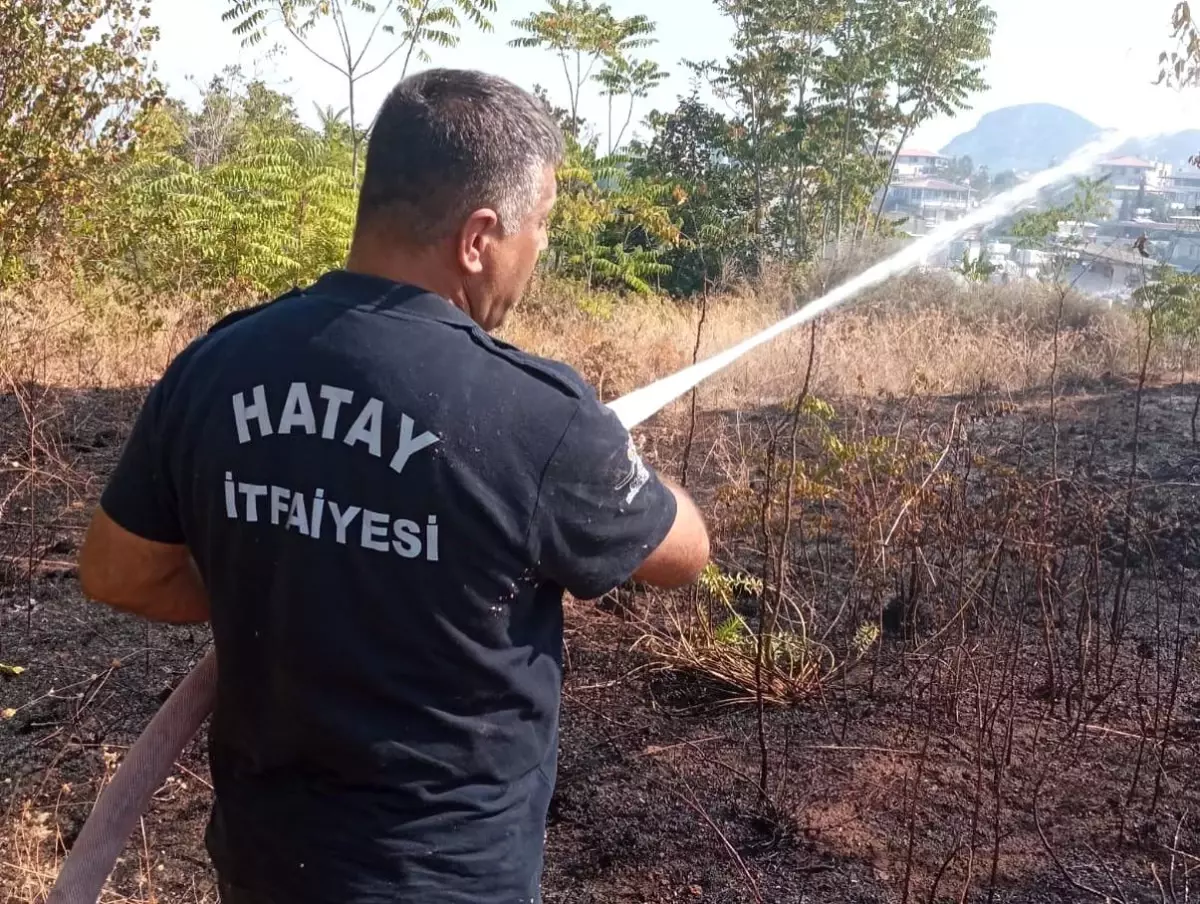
(151, 759)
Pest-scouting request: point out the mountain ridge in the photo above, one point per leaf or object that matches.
(1030, 137)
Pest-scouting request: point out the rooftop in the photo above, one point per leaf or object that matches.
(921, 152)
(1136, 162)
(932, 184)
(1114, 252)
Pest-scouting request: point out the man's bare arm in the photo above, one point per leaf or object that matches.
(157, 581)
(681, 557)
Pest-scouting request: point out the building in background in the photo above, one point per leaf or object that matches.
(914, 162)
(928, 199)
(1183, 194)
(1137, 188)
(1107, 269)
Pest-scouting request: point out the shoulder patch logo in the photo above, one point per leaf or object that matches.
(637, 477)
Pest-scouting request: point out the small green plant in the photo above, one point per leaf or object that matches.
(732, 631)
(724, 586)
(977, 270)
(726, 649)
(864, 638)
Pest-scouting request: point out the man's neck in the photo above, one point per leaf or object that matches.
(416, 268)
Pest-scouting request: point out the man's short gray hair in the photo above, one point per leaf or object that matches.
(451, 141)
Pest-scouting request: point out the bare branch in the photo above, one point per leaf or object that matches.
(371, 36)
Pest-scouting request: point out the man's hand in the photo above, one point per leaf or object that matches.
(681, 557)
(158, 581)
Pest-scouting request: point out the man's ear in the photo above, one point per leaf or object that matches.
(479, 230)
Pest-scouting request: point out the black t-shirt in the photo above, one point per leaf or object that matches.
(385, 505)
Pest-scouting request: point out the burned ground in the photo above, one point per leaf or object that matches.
(994, 744)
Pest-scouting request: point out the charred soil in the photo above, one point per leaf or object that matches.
(1026, 729)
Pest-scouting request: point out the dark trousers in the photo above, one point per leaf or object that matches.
(231, 894)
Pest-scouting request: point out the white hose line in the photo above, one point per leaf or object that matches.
(151, 759)
(143, 772)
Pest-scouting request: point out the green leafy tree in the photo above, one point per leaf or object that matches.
(275, 208)
(691, 149)
(421, 23)
(808, 127)
(818, 89)
(611, 227)
(581, 35)
(229, 106)
(1169, 304)
(868, 45)
(630, 78)
(73, 80)
(1173, 298)
(939, 65)
(768, 81)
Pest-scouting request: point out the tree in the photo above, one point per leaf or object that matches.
(767, 81)
(1181, 66)
(1004, 181)
(422, 22)
(581, 35)
(627, 77)
(229, 105)
(981, 181)
(72, 84)
(961, 169)
(868, 46)
(691, 149)
(816, 91)
(940, 64)
(1170, 303)
(277, 210)
(610, 226)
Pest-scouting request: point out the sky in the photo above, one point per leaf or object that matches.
(1096, 57)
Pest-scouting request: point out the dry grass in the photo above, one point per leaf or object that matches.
(918, 333)
(33, 850)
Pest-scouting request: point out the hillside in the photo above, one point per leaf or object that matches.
(1026, 137)
(1032, 136)
(1176, 148)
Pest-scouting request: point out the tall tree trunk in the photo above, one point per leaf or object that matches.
(891, 174)
(841, 176)
(910, 122)
(860, 231)
(628, 120)
(756, 162)
(785, 214)
(353, 130)
(801, 224)
(851, 93)
(578, 89)
(610, 134)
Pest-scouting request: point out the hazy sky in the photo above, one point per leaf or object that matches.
(1097, 57)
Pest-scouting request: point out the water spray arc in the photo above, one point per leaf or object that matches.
(643, 403)
(151, 759)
